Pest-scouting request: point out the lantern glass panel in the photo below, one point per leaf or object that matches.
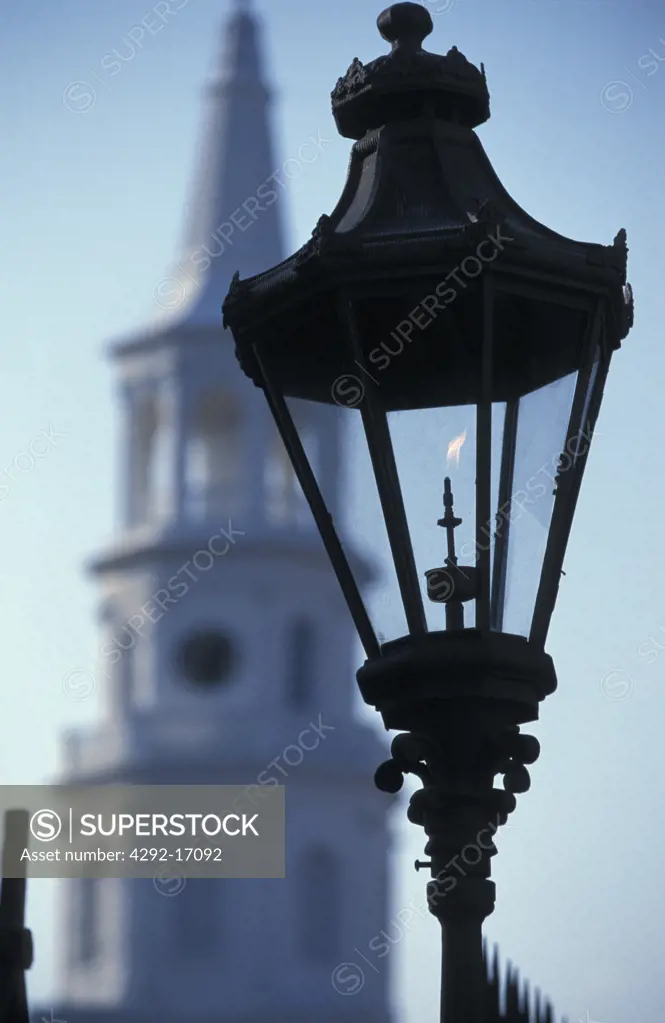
(350, 494)
(579, 447)
(285, 502)
(488, 532)
(539, 425)
(430, 444)
(366, 530)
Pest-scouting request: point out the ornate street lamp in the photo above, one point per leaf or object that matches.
(473, 343)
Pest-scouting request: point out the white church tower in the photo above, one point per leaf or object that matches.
(228, 650)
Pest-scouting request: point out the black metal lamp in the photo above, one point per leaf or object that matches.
(474, 344)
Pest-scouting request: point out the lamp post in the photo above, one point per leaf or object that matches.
(16, 951)
(473, 344)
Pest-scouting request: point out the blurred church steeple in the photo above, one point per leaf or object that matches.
(225, 640)
(234, 185)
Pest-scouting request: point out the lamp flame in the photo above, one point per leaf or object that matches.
(454, 448)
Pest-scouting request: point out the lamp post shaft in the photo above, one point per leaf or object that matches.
(460, 825)
(462, 971)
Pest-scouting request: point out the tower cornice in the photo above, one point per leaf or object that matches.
(286, 545)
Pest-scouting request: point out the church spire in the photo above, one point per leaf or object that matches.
(235, 220)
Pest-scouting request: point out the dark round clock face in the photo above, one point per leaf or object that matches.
(206, 658)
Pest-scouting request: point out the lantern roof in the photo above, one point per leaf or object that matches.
(420, 197)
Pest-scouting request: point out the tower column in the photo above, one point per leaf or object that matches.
(257, 433)
(127, 462)
(183, 417)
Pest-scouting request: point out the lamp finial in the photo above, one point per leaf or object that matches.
(405, 25)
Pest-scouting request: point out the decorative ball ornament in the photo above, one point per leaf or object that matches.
(517, 779)
(388, 777)
(405, 25)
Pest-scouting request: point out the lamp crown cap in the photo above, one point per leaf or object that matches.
(408, 81)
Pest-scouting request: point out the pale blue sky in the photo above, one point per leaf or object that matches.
(93, 216)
